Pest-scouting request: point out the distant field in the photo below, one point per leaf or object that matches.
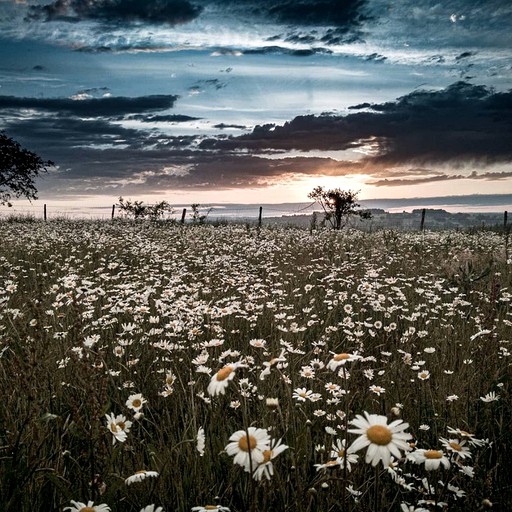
(226, 367)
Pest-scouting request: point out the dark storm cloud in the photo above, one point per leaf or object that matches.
(223, 126)
(101, 156)
(341, 21)
(271, 50)
(464, 55)
(97, 107)
(337, 13)
(155, 11)
(174, 118)
(143, 47)
(462, 123)
(61, 136)
(240, 171)
(458, 124)
(150, 173)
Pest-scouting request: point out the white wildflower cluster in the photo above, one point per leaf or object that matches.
(180, 336)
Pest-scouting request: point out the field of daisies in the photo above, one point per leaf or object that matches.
(158, 367)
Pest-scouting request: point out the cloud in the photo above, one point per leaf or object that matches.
(223, 126)
(346, 14)
(61, 136)
(422, 137)
(171, 118)
(439, 177)
(155, 11)
(279, 50)
(200, 86)
(101, 156)
(464, 55)
(91, 107)
(462, 123)
(306, 22)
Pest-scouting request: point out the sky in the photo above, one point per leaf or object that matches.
(259, 100)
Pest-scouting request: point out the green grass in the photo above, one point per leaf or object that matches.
(93, 312)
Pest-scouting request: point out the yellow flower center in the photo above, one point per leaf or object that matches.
(341, 357)
(211, 507)
(247, 443)
(136, 403)
(113, 427)
(140, 472)
(456, 446)
(121, 425)
(224, 373)
(379, 434)
(341, 453)
(87, 509)
(267, 455)
(433, 454)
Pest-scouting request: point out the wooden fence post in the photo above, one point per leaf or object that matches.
(313, 223)
(44, 212)
(113, 210)
(183, 215)
(259, 217)
(422, 225)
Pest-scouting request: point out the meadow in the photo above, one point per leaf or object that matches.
(154, 366)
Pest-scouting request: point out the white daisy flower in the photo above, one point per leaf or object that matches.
(456, 447)
(272, 403)
(135, 402)
(119, 426)
(382, 440)
(424, 375)
(378, 390)
(342, 455)
(490, 397)
(248, 447)
(78, 506)
(472, 440)
(139, 476)
(272, 362)
(340, 360)
(330, 464)
(467, 470)
(302, 394)
(200, 438)
(220, 380)
(151, 508)
(208, 508)
(266, 468)
(404, 507)
(432, 459)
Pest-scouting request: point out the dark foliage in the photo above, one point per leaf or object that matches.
(18, 169)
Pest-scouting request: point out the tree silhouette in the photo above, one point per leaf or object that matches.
(18, 169)
(140, 210)
(338, 205)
